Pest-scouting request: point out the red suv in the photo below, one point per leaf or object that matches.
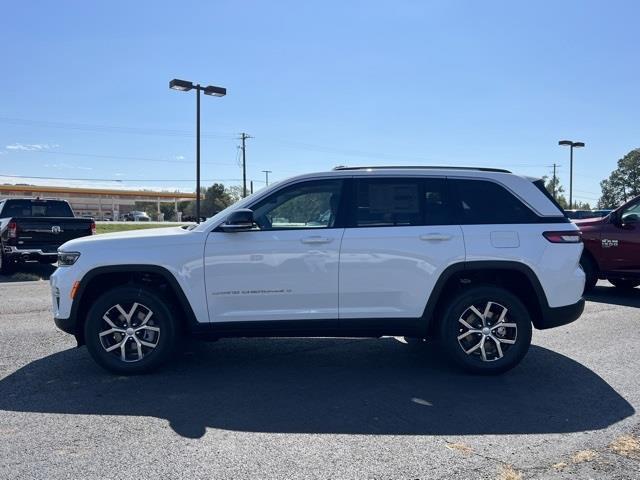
(612, 247)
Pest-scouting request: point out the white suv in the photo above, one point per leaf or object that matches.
(469, 256)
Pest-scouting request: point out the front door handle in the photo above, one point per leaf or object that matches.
(435, 237)
(316, 239)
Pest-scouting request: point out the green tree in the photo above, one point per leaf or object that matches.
(556, 190)
(168, 210)
(216, 198)
(235, 193)
(624, 182)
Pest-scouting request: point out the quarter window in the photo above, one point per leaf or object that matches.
(481, 202)
(300, 206)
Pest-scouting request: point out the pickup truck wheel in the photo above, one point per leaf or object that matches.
(624, 284)
(6, 265)
(486, 330)
(590, 272)
(130, 330)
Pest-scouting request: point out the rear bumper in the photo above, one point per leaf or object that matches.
(555, 317)
(26, 254)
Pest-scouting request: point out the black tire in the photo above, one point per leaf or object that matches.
(161, 329)
(624, 284)
(485, 357)
(6, 266)
(590, 272)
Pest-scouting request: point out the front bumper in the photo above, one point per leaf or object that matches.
(557, 316)
(67, 325)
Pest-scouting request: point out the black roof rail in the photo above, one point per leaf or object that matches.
(422, 167)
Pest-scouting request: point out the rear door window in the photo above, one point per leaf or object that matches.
(480, 202)
(394, 202)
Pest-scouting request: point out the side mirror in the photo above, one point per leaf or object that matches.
(239, 220)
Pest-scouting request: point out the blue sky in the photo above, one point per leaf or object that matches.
(84, 89)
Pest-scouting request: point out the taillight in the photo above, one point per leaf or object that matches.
(563, 237)
(93, 228)
(12, 229)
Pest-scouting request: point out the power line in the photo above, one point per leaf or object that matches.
(108, 128)
(118, 180)
(119, 157)
(184, 133)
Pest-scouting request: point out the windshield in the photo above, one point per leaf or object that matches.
(43, 208)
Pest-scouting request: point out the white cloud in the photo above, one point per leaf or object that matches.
(32, 147)
(179, 157)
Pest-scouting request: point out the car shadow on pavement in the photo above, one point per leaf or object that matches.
(346, 386)
(30, 271)
(615, 296)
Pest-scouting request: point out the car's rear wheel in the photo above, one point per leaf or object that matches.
(130, 330)
(624, 284)
(486, 330)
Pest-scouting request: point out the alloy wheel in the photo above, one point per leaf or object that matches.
(129, 332)
(486, 332)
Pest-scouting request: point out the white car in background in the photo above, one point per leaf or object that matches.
(472, 257)
(136, 216)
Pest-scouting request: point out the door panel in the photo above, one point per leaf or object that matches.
(395, 247)
(272, 275)
(620, 242)
(390, 271)
(287, 267)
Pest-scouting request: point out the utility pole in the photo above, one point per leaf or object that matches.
(198, 155)
(251, 187)
(553, 185)
(266, 175)
(243, 137)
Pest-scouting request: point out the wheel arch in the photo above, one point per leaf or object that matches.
(157, 278)
(515, 277)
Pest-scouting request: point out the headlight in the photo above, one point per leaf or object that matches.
(66, 259)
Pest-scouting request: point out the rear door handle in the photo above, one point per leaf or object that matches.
(316, 239)
(435, 237)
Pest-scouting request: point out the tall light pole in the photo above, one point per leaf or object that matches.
(572, 145)
(185, 86)
(266, 176)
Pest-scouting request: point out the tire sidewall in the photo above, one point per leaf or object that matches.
(163, 316)
(480, 295)
(589, 269)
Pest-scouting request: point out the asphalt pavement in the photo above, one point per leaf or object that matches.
(321, 408)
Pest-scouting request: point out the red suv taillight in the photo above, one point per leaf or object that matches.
(13, 229)
(563, 237)
(93, 228)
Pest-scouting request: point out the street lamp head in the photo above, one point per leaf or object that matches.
(569, 143)
(180, 85)
(215, 91)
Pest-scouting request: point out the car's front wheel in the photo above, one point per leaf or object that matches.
(130, 330)
(486, 330)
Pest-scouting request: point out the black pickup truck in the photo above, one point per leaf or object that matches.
(33, 229)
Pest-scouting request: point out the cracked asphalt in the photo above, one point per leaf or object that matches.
(321, 408)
